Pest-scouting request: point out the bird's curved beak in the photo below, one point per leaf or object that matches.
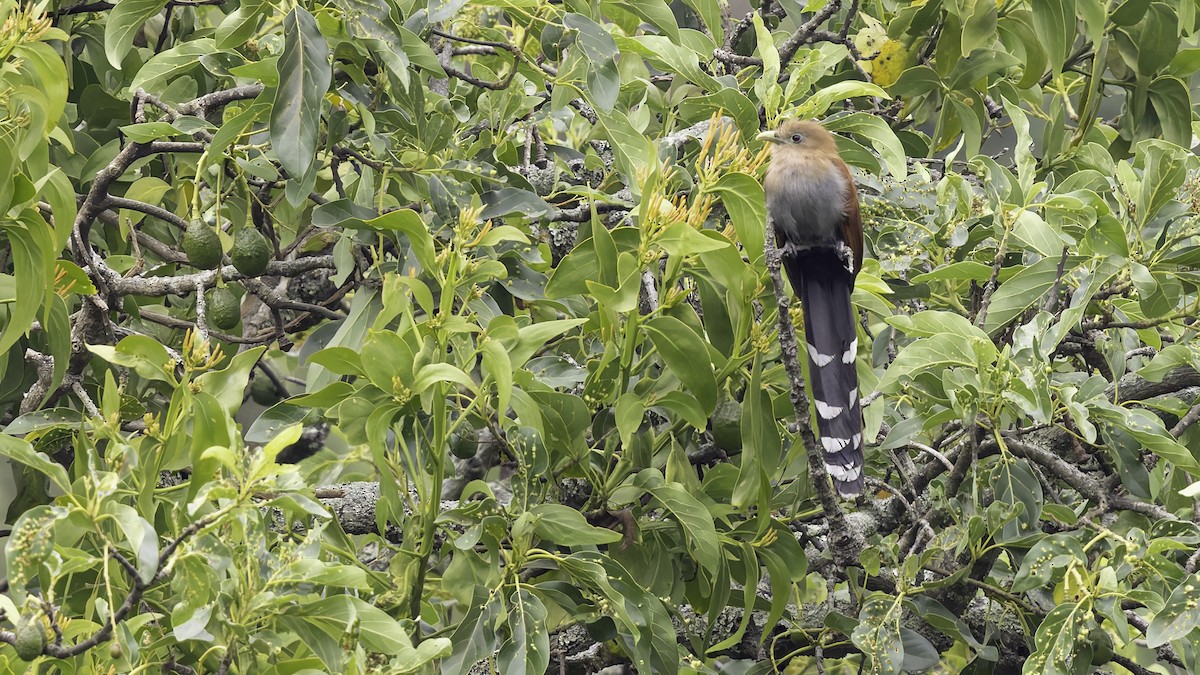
(768, 136)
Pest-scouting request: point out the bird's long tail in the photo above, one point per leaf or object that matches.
(823, 284)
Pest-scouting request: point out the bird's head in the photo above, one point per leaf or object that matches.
(800, 136)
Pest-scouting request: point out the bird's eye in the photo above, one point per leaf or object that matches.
(797, 138)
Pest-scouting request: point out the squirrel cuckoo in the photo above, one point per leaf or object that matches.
(813, 205)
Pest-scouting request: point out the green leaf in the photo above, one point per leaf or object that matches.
(23, 453)
(1173, 104)
(979, 24)
(1130, 12)
(654, 12)
(744, 199)
(880, 136)
(229, 384)
(749, 580)
(762, 447)
(919, 653)
(340, 360)
(148, 357)
(31, 541)
(527, 649)
(1179, 616)
(1148, 429)
(937, 352)
(1054, 24)
(377, 631)
(1060, 648)
(1157, 38)
(1165, 170)
(1023, 289)
(441, 372)
(696, 521)
(498, 365)
(684, 241)
(633, 150)
(982, 63)
(46, 418)
(124, 21)
(238, 26)
(597, 43)
(166, 66)
(878, 634)
(230, 131)
(686, 354)
(509, 200)
(32, 250)
(139, 535)
(1047, 555)
(566, 526)
(148, 189)
(1037, 235)
(149, 131)
(685, 406)
(1167, 360)
(936, 615)
(817, 104)
(533, 337)
(408, 223)
(916, 81)
(662, 53)
(966, 270)
(304, 78)
(1015, 483)
(476, 637)
(711, 13)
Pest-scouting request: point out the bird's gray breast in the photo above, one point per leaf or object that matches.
(807, 202)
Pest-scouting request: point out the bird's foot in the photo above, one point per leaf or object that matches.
(846, 254)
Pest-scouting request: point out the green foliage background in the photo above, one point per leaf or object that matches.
(520, 274)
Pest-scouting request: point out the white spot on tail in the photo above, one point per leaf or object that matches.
(856, 441)
(853, 397)
(817, 357)
(827, 411)
(851, 352)
(844, 472)
(834, 444)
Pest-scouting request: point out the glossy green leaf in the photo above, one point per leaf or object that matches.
(1048, 554)
(527, 649)
(566, 526)
(124, 21)
(1179, 616)
(697, 524)
(878, 634)
(1054, 24)
(166, 66)
(686, 355)
(744, 199)
(879, 135)
(304, 78)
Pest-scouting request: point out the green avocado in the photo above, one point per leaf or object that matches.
(263, 391)
(224, 308)
(464, 443)
(1102, 646)
(30, 639)
(202, 245)
(251, 252)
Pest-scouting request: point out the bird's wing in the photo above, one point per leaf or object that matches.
(852, 229)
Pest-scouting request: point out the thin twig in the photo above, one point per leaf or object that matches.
(1186, 421)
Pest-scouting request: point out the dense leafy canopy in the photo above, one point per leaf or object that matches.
(512, 390)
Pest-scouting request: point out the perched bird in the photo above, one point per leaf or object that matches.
(813, 205)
